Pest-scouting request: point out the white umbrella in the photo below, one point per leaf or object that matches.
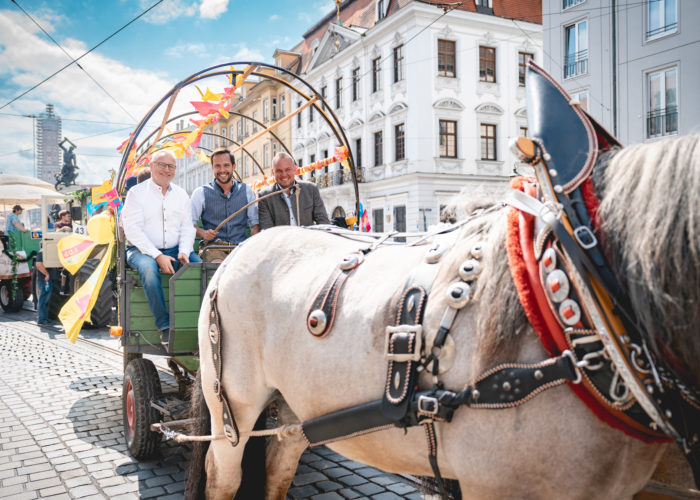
(24, 179)
(24, 194)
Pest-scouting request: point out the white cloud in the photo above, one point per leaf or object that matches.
(211, 9)
(186, 49)
(168, 10)
(27, 58)
(246, 54)
(274, 17)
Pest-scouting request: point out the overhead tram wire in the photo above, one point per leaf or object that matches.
(71, 58)
(75, 61)
(74, 120)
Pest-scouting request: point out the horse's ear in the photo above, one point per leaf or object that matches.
(568, 134)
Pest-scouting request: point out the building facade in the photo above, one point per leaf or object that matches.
(634, 64)
(428, 100)
(49, 156)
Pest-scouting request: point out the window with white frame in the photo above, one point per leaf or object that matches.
(571, 3)
(662, 111)
(523, 58)
(576, 55)
(255, 124)
(266, 156)
(448, 138)
(447, 58)
(398, 63)
(378, 148)
(355, 84)
(266, 110)
(224, 136)
(339, 92)
(488, 142)
(662, 18)
(247, 127)
(381, 13)
(239, 130)
(283, 100)
(376, 74)
(274, 107)
(399, 142)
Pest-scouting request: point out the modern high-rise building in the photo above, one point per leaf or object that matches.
(48, 152)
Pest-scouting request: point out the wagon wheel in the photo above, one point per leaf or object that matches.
(141, 386)
(128, 356)
(6, 301)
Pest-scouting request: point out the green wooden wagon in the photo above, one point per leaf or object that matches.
(143, 401)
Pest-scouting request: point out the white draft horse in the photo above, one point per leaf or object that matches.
(553, 446)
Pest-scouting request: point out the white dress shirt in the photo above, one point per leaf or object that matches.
(153, 221)
(288, 199)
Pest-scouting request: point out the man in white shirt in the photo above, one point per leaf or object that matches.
(158, 227)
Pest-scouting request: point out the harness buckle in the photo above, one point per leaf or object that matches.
(585, 237)
(567, 354)
(412, 355)
(428, 404)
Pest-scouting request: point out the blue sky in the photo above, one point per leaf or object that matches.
(136, 67)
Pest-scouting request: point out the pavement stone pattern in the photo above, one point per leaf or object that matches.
(61, 431)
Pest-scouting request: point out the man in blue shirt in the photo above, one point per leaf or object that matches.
(214, 202)
(13, 223)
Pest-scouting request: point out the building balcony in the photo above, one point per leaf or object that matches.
(337, 178)
(576, 64)
(662, 121)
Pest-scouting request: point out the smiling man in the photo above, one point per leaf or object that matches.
(299, 205)
(159, 231)
(215, 201)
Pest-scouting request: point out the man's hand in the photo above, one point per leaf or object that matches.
(165, 263)
(47, 277)
(183, 258)
(209, 235)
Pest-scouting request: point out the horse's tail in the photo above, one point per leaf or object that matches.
(200, 426)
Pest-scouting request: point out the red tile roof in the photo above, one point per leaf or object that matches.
(362, 13)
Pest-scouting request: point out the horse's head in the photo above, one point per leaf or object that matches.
(650, 227)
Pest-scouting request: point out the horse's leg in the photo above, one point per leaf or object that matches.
(282, 456)
(224, 462)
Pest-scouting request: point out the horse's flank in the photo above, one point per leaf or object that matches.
(551, 447)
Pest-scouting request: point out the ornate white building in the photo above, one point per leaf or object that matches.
(428, 100)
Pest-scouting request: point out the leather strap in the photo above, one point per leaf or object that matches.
(327, 298)
(230, 427)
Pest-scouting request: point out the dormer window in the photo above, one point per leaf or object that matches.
(381, 12)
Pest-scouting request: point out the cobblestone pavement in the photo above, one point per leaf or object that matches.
(61, 430)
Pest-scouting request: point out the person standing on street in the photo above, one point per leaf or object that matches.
(13, 223)
(300, 205)
(44, 286)
(158, 227)
(214, 202)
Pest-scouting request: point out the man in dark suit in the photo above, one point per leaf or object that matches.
(299, 205)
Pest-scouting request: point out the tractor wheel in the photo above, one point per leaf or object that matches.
(141, 386)
(6, 301)
(101, 314)
(56, 301)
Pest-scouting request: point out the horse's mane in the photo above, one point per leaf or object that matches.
(650, 216)
(650, 230)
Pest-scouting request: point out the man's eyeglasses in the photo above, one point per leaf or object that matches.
(169, 166)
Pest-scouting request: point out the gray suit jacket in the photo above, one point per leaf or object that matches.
(274, 211)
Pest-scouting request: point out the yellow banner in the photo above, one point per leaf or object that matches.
(74, 313)
(73, 255)
(74, 250)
